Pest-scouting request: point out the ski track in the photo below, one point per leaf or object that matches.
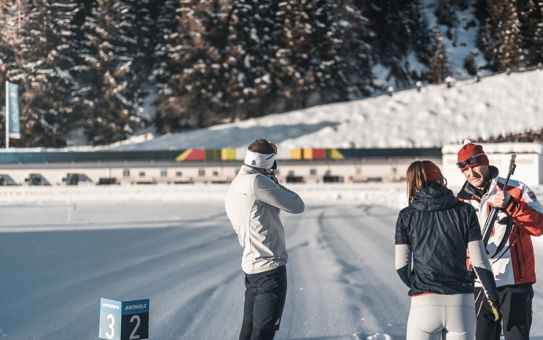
(364, 250)
(186, 259)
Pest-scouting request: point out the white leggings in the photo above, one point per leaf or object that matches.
(437, 317)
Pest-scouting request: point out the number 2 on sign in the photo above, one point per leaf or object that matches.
(133, 335)
(111, 318)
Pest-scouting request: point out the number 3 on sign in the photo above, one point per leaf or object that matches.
(137, 319)
(111, 326)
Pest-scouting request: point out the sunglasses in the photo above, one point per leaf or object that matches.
(470, 161)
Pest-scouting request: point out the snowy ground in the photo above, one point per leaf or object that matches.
(59, 257)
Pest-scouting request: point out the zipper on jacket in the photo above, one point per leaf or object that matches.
(518, 263)
(521, 249)
(518, 250)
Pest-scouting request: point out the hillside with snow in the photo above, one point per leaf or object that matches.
(497, 105)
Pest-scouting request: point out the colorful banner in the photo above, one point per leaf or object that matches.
(192, 155)
(227, 154)
(12, 109)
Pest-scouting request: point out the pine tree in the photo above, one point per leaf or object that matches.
(509, 51)
(530, 13)
(538, 38)
(328, 63)
(112, 71)
(292, 69)
(252, 44)
(166, 39)
(165, 55)
(487, 43)
(503, 34)
(356, 50)
(310, 66)
(438, 62)
(145, 32)
(196, 89)
(538, 35)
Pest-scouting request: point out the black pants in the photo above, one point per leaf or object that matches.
(516, 307)
(265, 295)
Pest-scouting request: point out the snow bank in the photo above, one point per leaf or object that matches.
(434, 117)
(391, 195)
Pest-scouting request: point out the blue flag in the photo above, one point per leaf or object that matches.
(12, 105)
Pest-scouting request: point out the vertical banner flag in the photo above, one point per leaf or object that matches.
(12, 109)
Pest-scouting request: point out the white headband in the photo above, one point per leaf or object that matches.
(260, 160)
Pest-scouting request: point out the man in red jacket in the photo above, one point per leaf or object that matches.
(510, 246)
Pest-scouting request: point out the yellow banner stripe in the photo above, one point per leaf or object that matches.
(183, 155)
(295, 153)
(228, 154)
(335, 154)
(308, 153)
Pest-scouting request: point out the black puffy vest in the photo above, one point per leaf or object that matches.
(438, 227)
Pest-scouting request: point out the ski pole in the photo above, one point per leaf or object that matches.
(489, 223)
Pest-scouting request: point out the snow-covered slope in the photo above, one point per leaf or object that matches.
(434, 117)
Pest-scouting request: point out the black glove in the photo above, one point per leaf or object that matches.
(494, 312)
(488, 308)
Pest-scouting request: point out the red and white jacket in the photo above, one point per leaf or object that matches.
(514, 264)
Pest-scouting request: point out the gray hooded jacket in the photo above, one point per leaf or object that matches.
(253, 203)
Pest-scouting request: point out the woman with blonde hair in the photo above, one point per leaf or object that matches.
(433, 237)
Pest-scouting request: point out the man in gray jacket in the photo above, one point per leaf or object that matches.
(253, 203)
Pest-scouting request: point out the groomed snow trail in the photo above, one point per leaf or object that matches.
(57, 261)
